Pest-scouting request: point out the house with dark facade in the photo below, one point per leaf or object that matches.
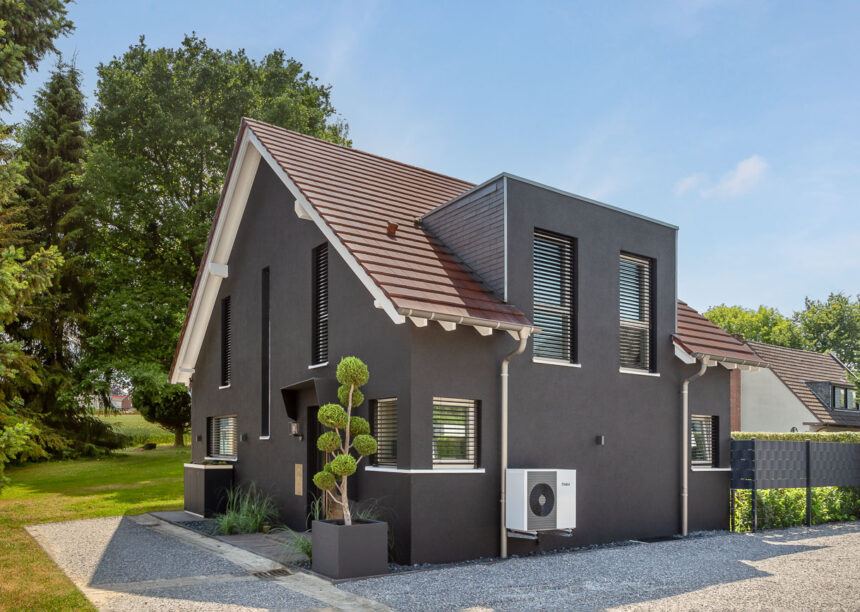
(799, 391)
(505, 325)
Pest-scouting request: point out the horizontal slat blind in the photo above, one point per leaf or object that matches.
(226, 343)
(635, 303)
(553, 297)
(455, 433)
(223, 433)
(385, 432)
(703, 440)
(320, 305)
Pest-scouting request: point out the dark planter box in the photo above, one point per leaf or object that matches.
(348, 552)
(206, 488)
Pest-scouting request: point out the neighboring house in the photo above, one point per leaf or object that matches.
(319, 251)
(801, 391)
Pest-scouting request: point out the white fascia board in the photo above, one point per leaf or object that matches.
(226, 228)
(684, 355)
(217, 269)
(377, 293)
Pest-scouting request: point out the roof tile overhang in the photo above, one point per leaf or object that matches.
(698, 338)
(353, 198)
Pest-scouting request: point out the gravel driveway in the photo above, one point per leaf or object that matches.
(792, 569)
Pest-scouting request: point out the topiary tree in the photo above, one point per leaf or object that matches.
(349, 433)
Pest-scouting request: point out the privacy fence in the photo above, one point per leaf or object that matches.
(783, 464)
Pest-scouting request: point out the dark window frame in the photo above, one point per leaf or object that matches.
(710, 433)
(849, 398)
(472, 431)
(216, 428)
(647, 322)
(571, 245)
(385, 436)
(265, 353)
(319, 305)
(226, 342)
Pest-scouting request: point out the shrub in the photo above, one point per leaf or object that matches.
(787, 507)
(247, 511)
(849, 437)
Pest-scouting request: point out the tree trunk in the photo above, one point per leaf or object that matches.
(179, 436)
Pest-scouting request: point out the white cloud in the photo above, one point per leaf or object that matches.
(689, 183)
(746, 175)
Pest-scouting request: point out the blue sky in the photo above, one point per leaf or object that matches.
(737, 121)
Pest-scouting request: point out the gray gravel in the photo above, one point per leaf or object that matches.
(799, 569)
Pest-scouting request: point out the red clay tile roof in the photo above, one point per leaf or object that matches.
(796, 367)
(698, 335)
(357, 194)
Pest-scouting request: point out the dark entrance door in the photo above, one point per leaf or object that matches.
(316, 459)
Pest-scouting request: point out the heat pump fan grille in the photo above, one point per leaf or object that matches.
(542, 506)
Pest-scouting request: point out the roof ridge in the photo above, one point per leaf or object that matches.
(362, 151)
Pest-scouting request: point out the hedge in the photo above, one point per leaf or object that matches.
(848, 437)
(787, 507)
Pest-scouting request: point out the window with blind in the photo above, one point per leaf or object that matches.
(636, 305)
(554, 297)
(704, 436)
(455, 433)
(226, 342)
(319, 341)
(265, 335)
(384, 423)
(222, 436)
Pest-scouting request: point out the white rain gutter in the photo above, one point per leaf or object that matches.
(685, 440)
(524, 338)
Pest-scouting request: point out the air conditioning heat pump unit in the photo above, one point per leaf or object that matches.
(540, 500)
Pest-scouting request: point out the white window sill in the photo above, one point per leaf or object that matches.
(557, 362)
(704, 468)
(229, 459)
(639, 372)
(201, 466)
(265, 437)
(375, 468)
(318, 365)
(224, 387)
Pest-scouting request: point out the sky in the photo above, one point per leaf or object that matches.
(738, 121)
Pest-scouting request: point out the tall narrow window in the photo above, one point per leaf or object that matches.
(221, 438)
(384, 423)
(319, 349)
(554, 297)
(455, 433)
(226, 344)
(704, 435)
(265, 335)
(636, 338)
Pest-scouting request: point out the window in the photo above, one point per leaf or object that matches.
(226, 346)
(844, 399)
(222, 437)
(384, 423)
(320, 305)
(636, 337)
(554, 297)
(704, 437)
(265, 336)
(455, 433)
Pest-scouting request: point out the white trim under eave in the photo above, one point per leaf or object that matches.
(377, 293)
(227, 225)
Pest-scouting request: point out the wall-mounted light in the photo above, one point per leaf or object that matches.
(600, 440)
(244, 437)
(294, 430)
(199, 438)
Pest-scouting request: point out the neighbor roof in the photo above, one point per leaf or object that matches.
(795, 368)
(698, 336)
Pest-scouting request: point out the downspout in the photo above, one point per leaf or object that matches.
(685, 440)
(524, 338)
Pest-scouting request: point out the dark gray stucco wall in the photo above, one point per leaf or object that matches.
(271, 235)
(473, 227)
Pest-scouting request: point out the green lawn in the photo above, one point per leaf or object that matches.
(139, 429)
(129, 482)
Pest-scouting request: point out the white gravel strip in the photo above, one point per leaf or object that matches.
(792, 569)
